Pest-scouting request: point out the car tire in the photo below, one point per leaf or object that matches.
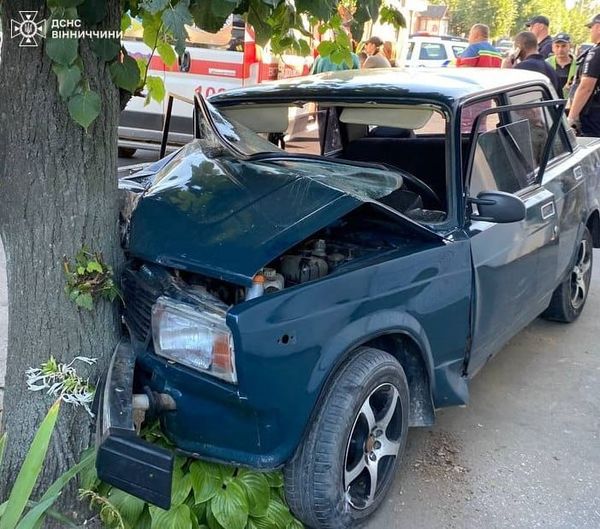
(126, 152)
(360, 431)
(569, 297)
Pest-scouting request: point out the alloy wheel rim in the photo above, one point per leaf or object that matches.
(580, 275)
(373, 445)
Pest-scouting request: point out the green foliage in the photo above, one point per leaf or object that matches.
(89, 278)
(280, 22)
(126, 73)
(11, 512)
(506, 18)
(155, 89)
(203, 495)
(30, 471)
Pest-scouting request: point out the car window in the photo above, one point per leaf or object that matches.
(503, 160)
(432, 51)
(541, 122)
(457, 50)
(409, 52)
(471, 111)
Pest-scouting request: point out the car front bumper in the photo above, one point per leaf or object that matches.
(123, 459)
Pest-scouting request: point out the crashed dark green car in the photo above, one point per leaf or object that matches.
(332, 260)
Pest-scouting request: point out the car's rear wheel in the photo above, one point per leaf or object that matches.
(569, 297)
(346, 464)
(126, 152)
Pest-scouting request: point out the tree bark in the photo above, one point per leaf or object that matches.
(58, 192)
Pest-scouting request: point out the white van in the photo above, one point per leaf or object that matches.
(211, 63)
(433, 51)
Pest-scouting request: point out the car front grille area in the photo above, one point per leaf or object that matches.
(142, 286)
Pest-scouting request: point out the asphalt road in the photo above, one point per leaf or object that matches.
(524, 454)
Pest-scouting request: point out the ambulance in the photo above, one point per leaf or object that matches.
(211, 63)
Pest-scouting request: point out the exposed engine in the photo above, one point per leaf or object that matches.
(331, 249)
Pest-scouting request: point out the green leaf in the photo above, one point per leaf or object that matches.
(84, 108)
(125, 22)
(154, 6)
(325, 48)
(129, 507)
(322, 9)
(167, 53)
(126, 74)
(274, 478)
(106, 49)
(206, 480)
(88, 478)
(37, 513)
(278, 516)
(295, 524)
(178, 517)
(68, 79)
(30, 470)
(85, 301)
(92, 11)
(62, 51)
(152, 25)
(181, 487)
(155, 88)
(175, 19)
(230, 506)
(211, 520)
(94, 266)
(257, 490)
(211, 15)
(88, 458)
(257, 18)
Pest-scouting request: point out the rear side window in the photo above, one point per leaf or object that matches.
(540, 121)
(503, 160)
(510, 145)
(432, 51)
(409, 52)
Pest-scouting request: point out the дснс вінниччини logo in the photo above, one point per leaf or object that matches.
(27, 28)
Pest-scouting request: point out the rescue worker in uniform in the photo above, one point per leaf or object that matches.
(584, 114)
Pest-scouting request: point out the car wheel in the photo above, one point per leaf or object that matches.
(346, 464)
(569, 297)
(126, 152)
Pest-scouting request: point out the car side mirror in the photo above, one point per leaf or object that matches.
(498, 206)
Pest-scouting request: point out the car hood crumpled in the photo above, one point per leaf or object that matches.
(227, 218)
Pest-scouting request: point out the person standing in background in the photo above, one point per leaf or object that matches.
(530, 59)
(480, 53)
(584, 114)
(375, 58)
(563, 62)
(539, 27)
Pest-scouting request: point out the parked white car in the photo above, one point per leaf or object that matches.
(433, 51)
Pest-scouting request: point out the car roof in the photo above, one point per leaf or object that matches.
(443, 85)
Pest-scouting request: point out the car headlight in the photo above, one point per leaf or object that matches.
(195, 336)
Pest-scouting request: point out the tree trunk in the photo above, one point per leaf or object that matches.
(58, 192)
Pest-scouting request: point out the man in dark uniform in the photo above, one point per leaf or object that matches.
(539, 27)
(584, 114)
(530, 59)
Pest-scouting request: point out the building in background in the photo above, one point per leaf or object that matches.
(433, 20)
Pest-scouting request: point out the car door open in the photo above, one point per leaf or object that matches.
(509, 154)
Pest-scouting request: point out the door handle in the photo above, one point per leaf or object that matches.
(548, 210)
(185, 61)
